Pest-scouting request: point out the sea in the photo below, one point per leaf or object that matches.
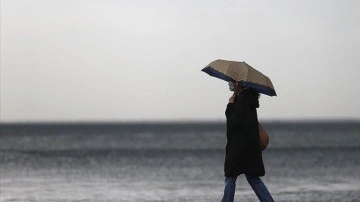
(307, 161)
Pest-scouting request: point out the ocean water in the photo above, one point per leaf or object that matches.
(305, 161)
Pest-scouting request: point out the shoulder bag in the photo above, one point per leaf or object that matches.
(263, 138)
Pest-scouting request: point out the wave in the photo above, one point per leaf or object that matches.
(162, 151)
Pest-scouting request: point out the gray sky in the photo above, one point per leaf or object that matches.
(87, 60)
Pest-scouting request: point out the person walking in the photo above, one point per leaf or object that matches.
(243, 152)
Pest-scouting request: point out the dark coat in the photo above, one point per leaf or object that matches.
(243, 154)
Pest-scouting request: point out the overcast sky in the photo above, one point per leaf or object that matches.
(87, 60)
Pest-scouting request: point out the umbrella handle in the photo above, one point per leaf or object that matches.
(236, 93)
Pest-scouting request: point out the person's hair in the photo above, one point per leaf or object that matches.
(254, 92)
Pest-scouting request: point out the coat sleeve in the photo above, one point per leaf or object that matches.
(242, 121)
(237, 115)
(229, 109)
(250, 123)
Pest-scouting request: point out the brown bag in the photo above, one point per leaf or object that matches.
(263, 137)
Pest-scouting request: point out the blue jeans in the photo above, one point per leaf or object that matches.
(256, 184)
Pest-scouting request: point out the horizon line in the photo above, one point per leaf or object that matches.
(180, 121)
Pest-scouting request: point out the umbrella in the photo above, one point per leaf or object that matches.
(248, 76)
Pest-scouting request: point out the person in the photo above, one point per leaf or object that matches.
(243, 153)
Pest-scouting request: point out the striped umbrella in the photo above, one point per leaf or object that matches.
(241, 72)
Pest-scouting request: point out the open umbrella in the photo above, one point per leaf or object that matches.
(248, 76)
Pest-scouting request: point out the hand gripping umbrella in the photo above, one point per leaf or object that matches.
(241, 72)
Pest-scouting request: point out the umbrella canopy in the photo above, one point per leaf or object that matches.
(248, 76)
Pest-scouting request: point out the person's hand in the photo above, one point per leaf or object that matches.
(231, 99)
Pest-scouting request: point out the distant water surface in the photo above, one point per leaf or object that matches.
(305, 161)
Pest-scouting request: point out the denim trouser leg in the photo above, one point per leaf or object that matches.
(229, 191)
(260, 189)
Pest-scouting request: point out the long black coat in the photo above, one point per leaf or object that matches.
(243, 153)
